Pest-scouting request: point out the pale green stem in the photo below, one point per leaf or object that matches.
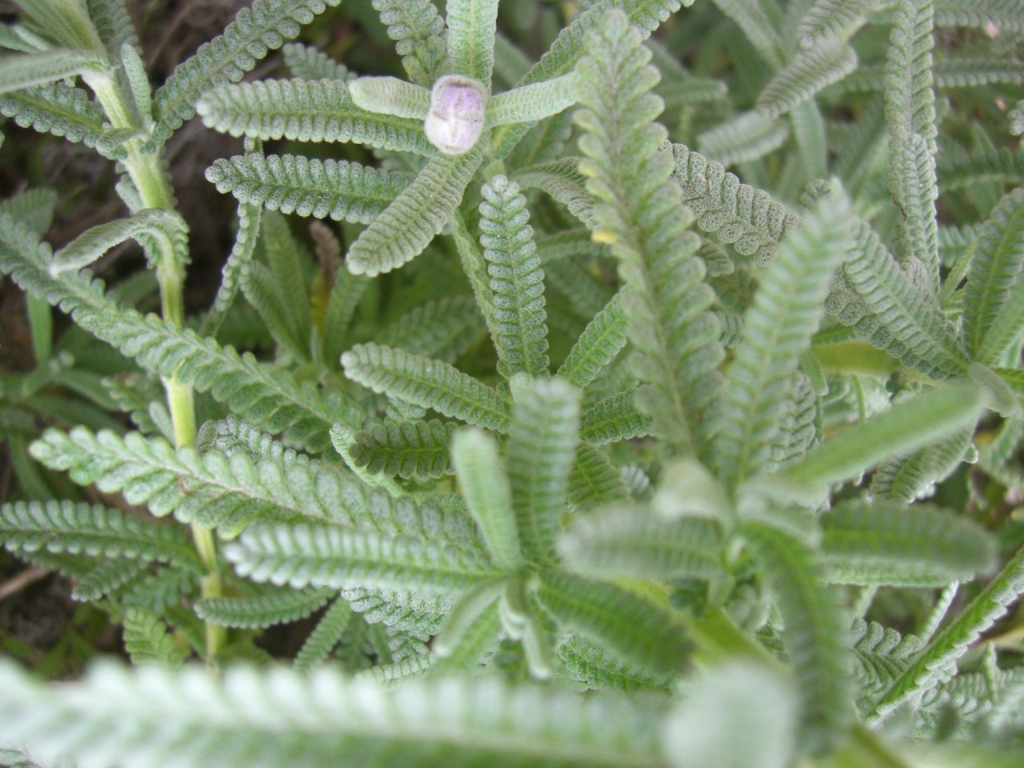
(149, 180)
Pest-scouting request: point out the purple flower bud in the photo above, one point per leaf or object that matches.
(456, 116)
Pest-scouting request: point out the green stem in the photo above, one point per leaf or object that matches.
(151, 183)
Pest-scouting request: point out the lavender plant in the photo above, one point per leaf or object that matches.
(581, 450)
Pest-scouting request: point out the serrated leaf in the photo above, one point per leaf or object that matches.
(613, 419)
(94, 530)
(530, 103)
(603, 339)
(390, 96)
(404, 449)
(27, 70)
(516, 279)
(937, 662)
(594, 480)
(442, 329)
(267, 395)
(307, 63)
(899, 430)
(225, 59)
(319, 110)
(485, 487)
(887, 543)
(323, 719)
(147, 641)
(814, 634)
(427, 383)
(419, 34)
(160, 226)
(343, 558)
(737, 213)
(420, 211)
(629, 626)
(337, 189)
(265, 610)
(777, 329)
(539, 457)
(633, 541)
(746, 137)
(327, 634)
(807, 73)
(471, 27)
(996, 263)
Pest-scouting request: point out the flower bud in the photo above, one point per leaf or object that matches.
(456, 116)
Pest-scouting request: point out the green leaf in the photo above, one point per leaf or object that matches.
(937, 662)
(747, 137)
(32, 208)
(337, 189)
(737, 213)
(95, 530)
(485, 487)
(319, 110)
(443, 330)
(105, 579)
(324, 719)
(416, 556)
(307, 63)
(266, 610)
(26, 70)
(404, 449)
(289, 284)
(539, 457)
(530, 103)
(594, 480)
(390, 96)
(1002, 14)
(640, 216)
(906, 477)
(138, 80)
(905, 427)
(893, 310)
(464, 615)
(427, 383)
(327, 634)
(56, 108)
(249, 218)
(419, 34)
(613, 419)
(644, 15)
(814, 634)
(829, 18)
(629, 626)
(757, 27)
(629, 540)
(888, 543)
(516, 279)
(806, 74)
(159, 226)
(268, 395)
(777, 330)
(910, 114)
(213, 489)
(251, 36)
(996, 263)
(603, 339)
(738, 715)
(147, 640)
(562, 180)
(420, 211)
(471, 27)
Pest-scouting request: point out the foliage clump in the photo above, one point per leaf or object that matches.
(680, 368)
